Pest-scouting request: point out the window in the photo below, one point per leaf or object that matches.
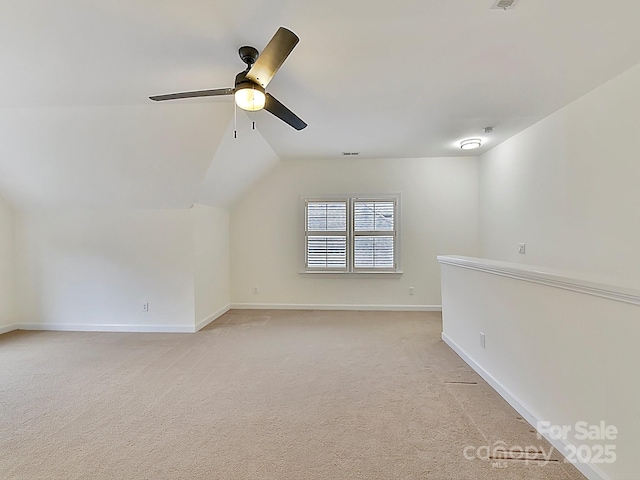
(327, 235)
(351, 235)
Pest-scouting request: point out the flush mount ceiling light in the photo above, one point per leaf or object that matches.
(470, 143)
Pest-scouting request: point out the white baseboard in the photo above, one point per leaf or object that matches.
(9, 328)
(589, 470)
(64, 327)
(307, 306)
(68, 327)
(200, 325)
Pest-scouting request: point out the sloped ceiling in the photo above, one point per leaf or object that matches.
(239, 162)
(388, 79)
(124, 156)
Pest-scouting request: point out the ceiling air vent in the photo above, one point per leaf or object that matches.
(504, 4)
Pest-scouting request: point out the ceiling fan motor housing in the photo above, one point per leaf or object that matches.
(243, 82)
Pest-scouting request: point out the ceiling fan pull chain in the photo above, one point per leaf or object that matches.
(253, 125)
(235, 120)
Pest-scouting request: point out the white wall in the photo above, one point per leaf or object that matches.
(237, 165)
(6, 264)
(568, 186)
(439, 215)
(212, 267)
(96, 268)
(555, 354)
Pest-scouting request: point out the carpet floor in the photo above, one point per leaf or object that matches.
(258, 395)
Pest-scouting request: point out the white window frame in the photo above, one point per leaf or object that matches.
(350, 201)
(325, 233)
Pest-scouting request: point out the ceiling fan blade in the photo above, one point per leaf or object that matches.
(273, 56)
(198, 93)
(274, 107)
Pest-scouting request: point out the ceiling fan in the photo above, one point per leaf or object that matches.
(249, 89)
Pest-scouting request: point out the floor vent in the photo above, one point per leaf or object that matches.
(521, 455)
(460, 383)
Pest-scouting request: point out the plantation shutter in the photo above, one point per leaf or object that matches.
(374, 231)
(326, 235)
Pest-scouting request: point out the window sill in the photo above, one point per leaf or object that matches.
(337, 274)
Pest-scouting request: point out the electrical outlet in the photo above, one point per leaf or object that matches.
(145, 307)
(522, 248)
(410, 290)
(482, 340)
(255, 290)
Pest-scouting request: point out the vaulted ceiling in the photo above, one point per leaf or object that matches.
(395, 79)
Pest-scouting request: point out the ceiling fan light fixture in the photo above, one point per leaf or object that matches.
(250, 97)
(248, 90)
(470, 143)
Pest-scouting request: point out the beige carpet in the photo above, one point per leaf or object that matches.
(256, 395)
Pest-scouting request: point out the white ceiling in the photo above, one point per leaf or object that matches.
(408, 78)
